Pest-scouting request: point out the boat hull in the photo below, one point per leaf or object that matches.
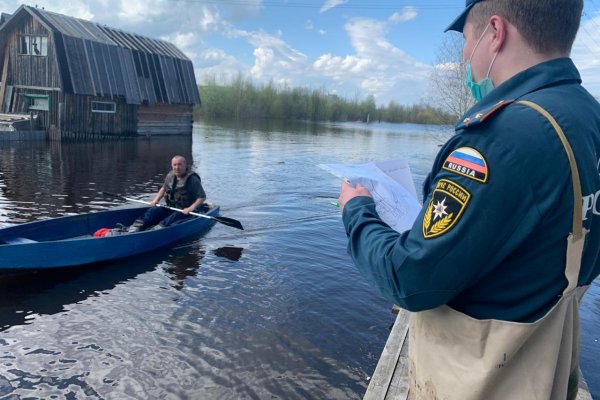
(67, 241)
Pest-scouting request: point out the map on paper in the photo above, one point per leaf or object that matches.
(391, 185)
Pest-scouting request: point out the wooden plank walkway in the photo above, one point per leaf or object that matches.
(13, 136)
(390, 379)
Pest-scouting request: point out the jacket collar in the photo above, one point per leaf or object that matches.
(545, 74)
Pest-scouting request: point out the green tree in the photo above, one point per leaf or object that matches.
(242, 100)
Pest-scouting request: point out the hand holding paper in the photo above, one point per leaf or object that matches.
(349, 191)
(390, 184)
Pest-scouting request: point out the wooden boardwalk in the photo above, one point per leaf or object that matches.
(390, 379)
(20, 127)
(13, 136)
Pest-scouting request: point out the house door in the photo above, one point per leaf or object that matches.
(38, 104)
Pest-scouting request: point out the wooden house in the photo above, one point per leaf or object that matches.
(84, 79)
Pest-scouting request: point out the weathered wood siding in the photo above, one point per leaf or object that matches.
(165, 119)
(30, 70)
(77, 117)
(87, 62)
(29, 74)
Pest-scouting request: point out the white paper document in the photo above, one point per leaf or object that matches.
(391, 184)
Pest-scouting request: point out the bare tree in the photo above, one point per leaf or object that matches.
(449, 91)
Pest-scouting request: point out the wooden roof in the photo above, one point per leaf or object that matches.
(4, 17)
(98, 60)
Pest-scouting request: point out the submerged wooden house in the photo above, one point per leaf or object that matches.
(85, 79)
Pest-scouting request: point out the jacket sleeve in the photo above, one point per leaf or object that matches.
(465, 228)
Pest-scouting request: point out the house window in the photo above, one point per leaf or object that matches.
(38, 102)
(104, 107)
(34, 45)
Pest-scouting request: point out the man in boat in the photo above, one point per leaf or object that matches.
(508, 239)
(182, 189)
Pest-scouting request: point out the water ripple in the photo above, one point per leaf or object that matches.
(277, 310)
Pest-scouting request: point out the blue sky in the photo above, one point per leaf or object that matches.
(353, 48)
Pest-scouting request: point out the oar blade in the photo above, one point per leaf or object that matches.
(234, 223)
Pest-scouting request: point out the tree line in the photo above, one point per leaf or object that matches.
(244, 100)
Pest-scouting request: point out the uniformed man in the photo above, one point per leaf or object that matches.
(182, 189)
(508, 238)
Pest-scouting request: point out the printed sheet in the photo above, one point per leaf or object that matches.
(391, 184)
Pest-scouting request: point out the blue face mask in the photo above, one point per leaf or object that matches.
(482, 88)
(478, 89)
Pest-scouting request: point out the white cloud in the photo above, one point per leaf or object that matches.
(138, 11)
(208, 19)
(185, 42)
(265, 58)
(182, 40)
(216, 64)
(448, 66)
(274, 58)
(408, 13)
(378, 67)
(203, 31)
(586, 54)
(339, 68)
(329, 4)
(74, 8)
(374, 85)
(152, 18)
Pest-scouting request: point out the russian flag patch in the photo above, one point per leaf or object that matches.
(468, 162)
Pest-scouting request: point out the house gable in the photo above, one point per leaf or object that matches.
(96, 60)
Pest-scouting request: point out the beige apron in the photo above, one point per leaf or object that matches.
(454, 356)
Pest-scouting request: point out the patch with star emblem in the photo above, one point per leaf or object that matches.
(445, 208)
(468, 162)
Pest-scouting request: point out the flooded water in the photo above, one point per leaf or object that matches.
(275, 311)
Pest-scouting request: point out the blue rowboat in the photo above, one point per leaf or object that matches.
(68, 241)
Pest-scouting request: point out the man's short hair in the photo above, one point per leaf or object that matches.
(547, 25)
(182, 158)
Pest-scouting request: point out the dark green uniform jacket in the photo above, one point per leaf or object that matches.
(490, 240)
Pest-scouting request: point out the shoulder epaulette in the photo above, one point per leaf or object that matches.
(481, 115)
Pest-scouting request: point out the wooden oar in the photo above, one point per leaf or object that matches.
(234, 223)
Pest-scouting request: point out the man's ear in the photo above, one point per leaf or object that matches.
(499, 28)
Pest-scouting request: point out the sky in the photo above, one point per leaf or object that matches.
(351, 48)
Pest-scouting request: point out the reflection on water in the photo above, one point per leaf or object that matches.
(50, 365)
(230, 252)
(44, 292)
(59, 178)
(275, 311)
(183, 263)
(590, 338)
